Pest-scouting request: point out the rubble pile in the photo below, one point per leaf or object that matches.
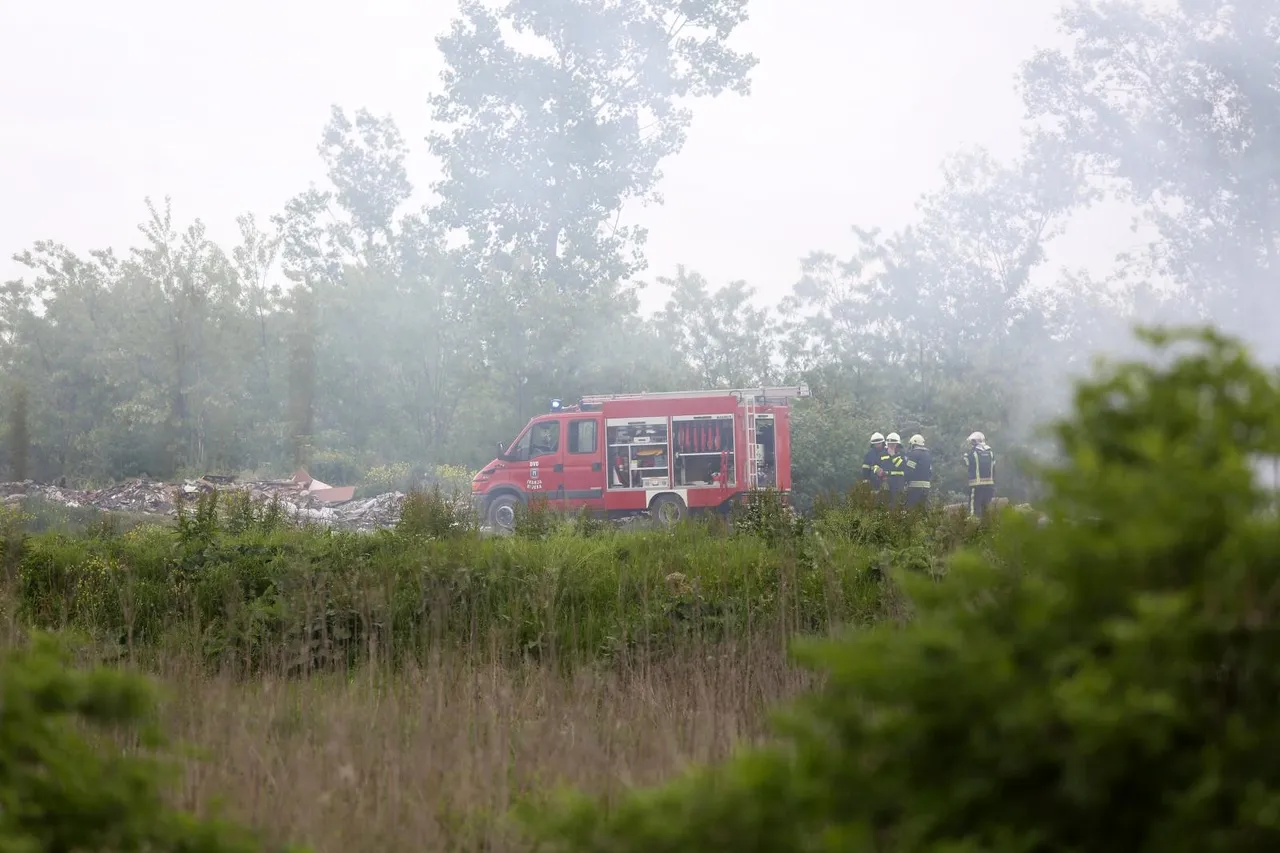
(304, 499)
(367, 514)
(136, 496)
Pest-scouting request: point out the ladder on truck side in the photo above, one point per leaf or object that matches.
(753, 449)
(764, 394)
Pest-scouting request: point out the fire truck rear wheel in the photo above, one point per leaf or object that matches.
(668, 510)
(502, 512)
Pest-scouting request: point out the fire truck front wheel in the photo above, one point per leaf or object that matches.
(668, 510)
(502, 512)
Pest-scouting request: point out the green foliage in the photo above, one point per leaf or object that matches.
(434, 514)
(767, 515)
(536, 518)
(1127, 91)
(1103, 682)
(587, 524)
(19, 433)
(455, 480)
(241, 512)
(607, 127)
(40, 515)
(348, 333)
(13, 542)
(234, 512)
(728, 342)
(380, 479)
(334, 466)
(197, 526)
(65, 788)
(246, 595)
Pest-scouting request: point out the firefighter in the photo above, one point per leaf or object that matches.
(896, 464)
(980, 461)
(872, 471)
(919, 471)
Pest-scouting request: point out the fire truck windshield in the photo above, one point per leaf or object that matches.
(542, 438)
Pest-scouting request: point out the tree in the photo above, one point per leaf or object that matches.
(1102, 682)
(1178, 109)
(254, 260)
(191, 307)
(19, 433)
(544, 146)
(74, 355)
(938, 328)
(721, 339)
(380, 299)
(302, 376)
(366, 165)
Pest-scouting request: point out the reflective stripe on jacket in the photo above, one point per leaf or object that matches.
(897, 466)
(885, 465)
(871, 466)
(919, 468)
(980, 462)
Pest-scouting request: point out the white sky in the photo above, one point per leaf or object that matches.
(854, 105)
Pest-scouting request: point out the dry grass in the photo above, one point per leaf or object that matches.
(429, 748)
(431, 759)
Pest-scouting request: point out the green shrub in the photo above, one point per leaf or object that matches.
(335, 467)
(453, 481)
(767, 516)
(67, 787)
(434, 515)
(250, 593)
(41, 515)
(537, 519)
(397, 477)
(1106, 682)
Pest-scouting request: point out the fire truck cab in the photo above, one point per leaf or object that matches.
(666, 453)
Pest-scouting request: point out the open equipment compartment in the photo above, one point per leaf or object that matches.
(639, 453)
(704, 450)
(766, 452)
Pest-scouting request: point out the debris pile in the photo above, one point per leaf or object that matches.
(367, 514)
(304, 498)
(137, 496)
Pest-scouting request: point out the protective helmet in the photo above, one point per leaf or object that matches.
(916, 440)
(894, 438)
(876, 438)
(977, 436)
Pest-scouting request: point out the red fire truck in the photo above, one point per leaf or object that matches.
(667, 453)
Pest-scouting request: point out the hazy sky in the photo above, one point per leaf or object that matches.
(854, 105)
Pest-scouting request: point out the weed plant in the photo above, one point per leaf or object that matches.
(450, 674)
(239, 586)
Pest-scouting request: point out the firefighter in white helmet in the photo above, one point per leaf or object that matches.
(873, 472)
(919, 471)
(980, 462)
(897, 468)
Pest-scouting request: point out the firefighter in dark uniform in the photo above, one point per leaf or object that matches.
(919, 471)
(980, 462)
(896, 465)
(872, 470)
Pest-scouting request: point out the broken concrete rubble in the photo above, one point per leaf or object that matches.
(304, 499)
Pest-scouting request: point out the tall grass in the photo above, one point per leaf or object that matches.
(241, 590)
(401, 690)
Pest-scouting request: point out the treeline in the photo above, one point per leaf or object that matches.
(350, 330)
